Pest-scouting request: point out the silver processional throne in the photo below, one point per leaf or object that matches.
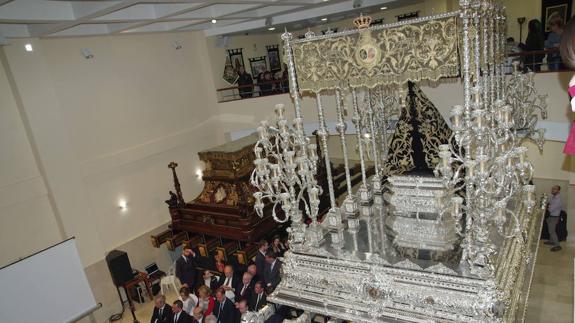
(347, 264)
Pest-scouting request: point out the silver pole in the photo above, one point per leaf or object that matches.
(341, 127)
(357, 123)
(323, 133)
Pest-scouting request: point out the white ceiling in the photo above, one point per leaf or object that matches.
(55, 18)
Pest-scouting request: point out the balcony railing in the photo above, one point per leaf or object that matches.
(547, 60)
(538, 61)
(241, 92)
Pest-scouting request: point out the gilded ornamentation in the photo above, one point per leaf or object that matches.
(426, 51)
(432, 131)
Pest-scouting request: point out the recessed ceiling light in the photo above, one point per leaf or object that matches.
(383, 8)
(272, 28)
(28, 47)
(323, 19)
(214, 21)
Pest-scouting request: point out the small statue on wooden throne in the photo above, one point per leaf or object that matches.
(173, 201)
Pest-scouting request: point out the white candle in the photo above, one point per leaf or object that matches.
(456, 113)
(482, 159)
(258, 151)
(275, 171)
(520, 151)
(457, 201)
(470, 166)
(280, 111)
(530, 192)
(263, 133)
(289, 156)
(282, 124)
(445, 158)
(313, 194)
(478, 115)
(298, 124)
(312, 149)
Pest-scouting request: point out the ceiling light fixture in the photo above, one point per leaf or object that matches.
(383, 8)
(28, 47)
(214, 21)
(272, 28)
(323, 19)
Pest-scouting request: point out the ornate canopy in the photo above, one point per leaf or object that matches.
(427, 50)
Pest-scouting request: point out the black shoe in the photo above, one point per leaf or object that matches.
(556, 248)
(548, 242)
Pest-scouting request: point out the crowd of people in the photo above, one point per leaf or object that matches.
(267, 83)
(536, 41)
(223, 293)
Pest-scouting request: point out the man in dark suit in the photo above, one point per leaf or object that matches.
(258, 299)
(253, 270)
(245, 288)
(179, 315)
(162, 311)
(261, 257)
(186, 267)
(224, 309)
(272, 271)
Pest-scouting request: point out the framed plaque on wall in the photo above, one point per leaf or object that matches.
(274, 58)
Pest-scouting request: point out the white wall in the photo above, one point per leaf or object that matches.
(105, 129)
(27, 221)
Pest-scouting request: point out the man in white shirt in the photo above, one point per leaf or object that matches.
(210, 280)
(230, 283)
(554, 206)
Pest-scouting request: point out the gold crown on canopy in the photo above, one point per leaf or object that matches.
(362, 21)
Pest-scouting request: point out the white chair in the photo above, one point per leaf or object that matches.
(170, 280)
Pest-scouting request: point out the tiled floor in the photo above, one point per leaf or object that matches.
(551, 298)
(144, 311)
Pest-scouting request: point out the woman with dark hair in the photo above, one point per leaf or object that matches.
(567, 50)
(277, 246)
(534, 41)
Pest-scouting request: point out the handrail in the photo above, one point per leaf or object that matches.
(529, 61)
(534, 52)
(256, 83)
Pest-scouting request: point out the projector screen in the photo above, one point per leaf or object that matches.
(49, 286)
